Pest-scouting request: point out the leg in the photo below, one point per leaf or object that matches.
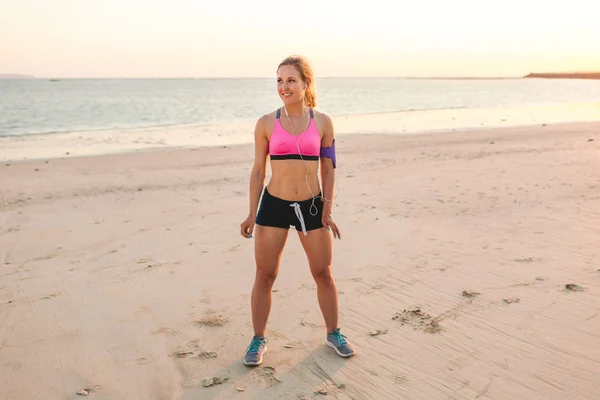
(317, 245)
(268, 246)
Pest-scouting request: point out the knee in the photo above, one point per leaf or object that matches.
(323, 276)
(265, 277)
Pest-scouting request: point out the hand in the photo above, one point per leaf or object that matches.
(330, 224)
(247, 226)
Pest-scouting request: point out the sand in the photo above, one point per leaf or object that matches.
(124, 276)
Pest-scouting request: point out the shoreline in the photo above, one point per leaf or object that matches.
(87, 143)
(425, 134)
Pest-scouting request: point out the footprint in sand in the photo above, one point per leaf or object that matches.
(329, 387)
(215, 380)
(267, 374)
(182, 353)
(213, 319)
(207, 355)
(193, 349)
(418, 320)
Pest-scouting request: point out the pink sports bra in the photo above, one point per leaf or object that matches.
(284, 146)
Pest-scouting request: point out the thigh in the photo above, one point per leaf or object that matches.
(317, 245)
(268, 246)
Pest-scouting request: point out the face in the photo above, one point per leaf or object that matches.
(290, 85)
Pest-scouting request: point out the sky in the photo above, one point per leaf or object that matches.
(235, 38)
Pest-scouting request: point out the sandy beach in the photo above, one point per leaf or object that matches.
(468, 269)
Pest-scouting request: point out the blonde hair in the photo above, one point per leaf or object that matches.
(303, 67)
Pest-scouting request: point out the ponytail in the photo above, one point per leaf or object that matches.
(310, 96)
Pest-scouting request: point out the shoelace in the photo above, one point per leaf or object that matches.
(340, 337)
(254, 345)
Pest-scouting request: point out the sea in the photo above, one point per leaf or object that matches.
(50, 117)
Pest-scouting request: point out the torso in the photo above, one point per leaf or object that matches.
(288, 170)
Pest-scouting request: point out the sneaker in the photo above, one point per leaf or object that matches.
(254, 352)
(337, 341)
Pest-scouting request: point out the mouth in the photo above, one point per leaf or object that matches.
(287, 94)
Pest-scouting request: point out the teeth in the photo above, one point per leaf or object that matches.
(287, 94)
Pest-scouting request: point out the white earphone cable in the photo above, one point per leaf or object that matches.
(297, 142)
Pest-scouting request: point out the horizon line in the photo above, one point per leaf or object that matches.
(17, 76)
(33, 77)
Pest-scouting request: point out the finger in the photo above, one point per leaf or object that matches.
(245, 231)
(333, 229)
(336, 229)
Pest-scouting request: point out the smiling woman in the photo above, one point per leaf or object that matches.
(297, 145)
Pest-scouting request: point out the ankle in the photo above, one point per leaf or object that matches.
(332, 331)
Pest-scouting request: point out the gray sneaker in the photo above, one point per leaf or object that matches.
(337, 341)
(255, 351)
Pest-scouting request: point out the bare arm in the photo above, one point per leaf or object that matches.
(327, 169)
(257, 176)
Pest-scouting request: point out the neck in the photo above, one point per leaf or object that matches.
(295, 109)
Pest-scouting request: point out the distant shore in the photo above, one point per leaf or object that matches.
(549, 75)
(565, 75)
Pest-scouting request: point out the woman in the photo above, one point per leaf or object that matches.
(297, 139)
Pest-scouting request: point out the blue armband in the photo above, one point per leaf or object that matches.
(329, 152)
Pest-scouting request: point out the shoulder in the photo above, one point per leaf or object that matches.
(324, 122)
(265, 123)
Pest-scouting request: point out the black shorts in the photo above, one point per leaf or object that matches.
(280, 213)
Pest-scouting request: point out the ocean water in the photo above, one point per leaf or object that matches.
(52, 118)
(46, 106)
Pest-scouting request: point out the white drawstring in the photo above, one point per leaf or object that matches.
(298, 212)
